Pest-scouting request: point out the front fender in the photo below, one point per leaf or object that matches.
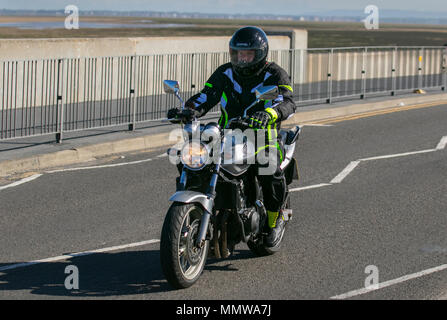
(193, 196)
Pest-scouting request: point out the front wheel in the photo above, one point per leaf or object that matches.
(181, 261)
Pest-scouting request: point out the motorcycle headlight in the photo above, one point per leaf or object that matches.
(194, 155)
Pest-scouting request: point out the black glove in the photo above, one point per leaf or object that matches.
(259, 120)
(177, 115)
(172, 113)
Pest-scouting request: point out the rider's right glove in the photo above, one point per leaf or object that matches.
(176, 115)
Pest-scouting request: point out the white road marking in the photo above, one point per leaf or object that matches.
(22, 181)
(385, 284)
(163, 155)
(346, 171)
(441, 145)
(100, 167)
(78, 254)
(310, 187)
(398, 155)
(339, 178)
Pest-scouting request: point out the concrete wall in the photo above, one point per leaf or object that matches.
(298, 39)
(19, 49)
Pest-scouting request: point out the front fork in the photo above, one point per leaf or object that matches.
(210, 195)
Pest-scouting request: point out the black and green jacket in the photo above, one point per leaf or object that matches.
(235, 94)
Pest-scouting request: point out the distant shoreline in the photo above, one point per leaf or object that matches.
(320, 34)
(387, 15)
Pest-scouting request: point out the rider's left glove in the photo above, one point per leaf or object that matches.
(260, 119)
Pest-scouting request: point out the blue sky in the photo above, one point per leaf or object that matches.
(293, 7)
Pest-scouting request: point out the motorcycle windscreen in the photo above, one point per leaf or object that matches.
(238, 154)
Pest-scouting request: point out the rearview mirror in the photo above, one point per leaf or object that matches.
(171, 86)
(267, 93)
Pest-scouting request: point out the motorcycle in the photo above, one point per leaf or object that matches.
(218, 203)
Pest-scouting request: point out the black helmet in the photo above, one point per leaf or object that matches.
(251, 39)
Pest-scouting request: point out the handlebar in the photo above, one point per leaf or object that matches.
(238, 123)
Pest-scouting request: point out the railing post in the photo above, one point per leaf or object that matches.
(192, 72)
(59, 103)
(362, 95)
(444, 69)
(329, 76)
(393, 71)
(292, 66)
(421, 56)
(133, 63)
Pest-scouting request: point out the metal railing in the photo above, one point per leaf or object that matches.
(53, 96)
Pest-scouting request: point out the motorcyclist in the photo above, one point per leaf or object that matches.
(233, 85)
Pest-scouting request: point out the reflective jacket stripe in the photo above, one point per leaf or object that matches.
(229, 74)
(223, 104)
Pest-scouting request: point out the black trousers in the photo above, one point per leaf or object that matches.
(272, 180)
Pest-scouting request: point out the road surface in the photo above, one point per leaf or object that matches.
(375, 209)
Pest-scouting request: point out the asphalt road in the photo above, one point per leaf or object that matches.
(388, 213)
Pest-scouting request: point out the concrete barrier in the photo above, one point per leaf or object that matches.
(28, 49)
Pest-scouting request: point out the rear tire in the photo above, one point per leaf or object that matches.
(182, 263)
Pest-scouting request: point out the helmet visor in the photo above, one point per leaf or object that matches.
(244, 58)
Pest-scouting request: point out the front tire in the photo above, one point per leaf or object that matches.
(182, 263)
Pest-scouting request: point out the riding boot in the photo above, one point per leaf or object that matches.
(276, 224)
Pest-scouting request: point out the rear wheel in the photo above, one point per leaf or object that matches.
(181, 261)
